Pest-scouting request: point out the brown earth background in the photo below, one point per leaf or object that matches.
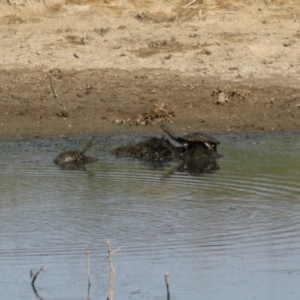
(122, 66)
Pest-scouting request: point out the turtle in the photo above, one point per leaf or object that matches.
(191, 139)
(75, 157)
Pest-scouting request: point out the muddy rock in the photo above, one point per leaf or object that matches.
(196, 159)
(153, 149)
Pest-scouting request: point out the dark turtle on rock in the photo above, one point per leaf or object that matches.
(76, 158)
(191, 139)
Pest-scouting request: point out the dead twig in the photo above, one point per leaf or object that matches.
(52, 86)
(112, 271)
(167, 286)
(34, 276)
(296, 19)
(88, 265)
(200, 13)
(192, 2)
(37, 294)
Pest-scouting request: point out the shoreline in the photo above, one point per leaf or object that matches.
(234, 67)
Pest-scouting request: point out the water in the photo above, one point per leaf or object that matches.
(232, 234)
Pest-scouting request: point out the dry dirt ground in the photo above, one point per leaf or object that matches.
(97, 67)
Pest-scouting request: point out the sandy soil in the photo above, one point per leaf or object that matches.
(222, 65)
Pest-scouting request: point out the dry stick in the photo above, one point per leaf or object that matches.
(52, 86)
(36, 293)
(167, 286)
(192, 2)
(88, 265)
(37, 273)
(112, 271)
(296, 19)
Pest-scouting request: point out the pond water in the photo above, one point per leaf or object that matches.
(231, 234)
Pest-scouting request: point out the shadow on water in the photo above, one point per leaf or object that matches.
(230, 234)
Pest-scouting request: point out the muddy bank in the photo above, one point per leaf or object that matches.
(110, 101)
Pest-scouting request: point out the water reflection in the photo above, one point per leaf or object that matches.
(233, 234)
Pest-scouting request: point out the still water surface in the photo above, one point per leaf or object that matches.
(232, 234)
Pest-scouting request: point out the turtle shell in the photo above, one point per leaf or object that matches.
(197, 137)
(66, 157)
(75, 157)
(70, 157)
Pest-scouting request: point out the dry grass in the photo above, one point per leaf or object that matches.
(144, 10)
(102, 31)
(55, 8)
(145, 4)
(159, 113)
(75, 39)
(63, 112)
(224, 95)
(12, 19)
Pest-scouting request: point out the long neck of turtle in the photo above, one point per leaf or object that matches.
(87, 147)
(170, 133)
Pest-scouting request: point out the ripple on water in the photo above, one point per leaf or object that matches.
(248, 209)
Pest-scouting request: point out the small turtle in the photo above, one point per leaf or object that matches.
(191, 139)
(75, 157)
